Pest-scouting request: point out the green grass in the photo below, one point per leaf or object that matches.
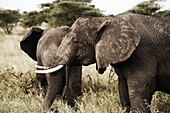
(18, 89)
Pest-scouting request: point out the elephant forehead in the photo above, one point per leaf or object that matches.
(53, 32)
(90, 22)
(79, 22)
(51, 39)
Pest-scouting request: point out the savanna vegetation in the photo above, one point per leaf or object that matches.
(19, 91)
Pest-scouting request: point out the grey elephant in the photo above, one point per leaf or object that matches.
(41, 45)
(137, 46)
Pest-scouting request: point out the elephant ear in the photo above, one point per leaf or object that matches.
(117, 39)
(29, 42)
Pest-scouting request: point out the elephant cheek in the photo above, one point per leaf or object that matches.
(86, 56)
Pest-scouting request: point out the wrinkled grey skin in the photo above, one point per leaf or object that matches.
(137, 46)
(41, 46)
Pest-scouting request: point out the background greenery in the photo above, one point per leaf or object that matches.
(19, 92)
(65, 12)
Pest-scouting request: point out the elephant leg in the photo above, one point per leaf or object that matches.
(123, 93)
(42, 82)
(56, 83)
(74, 84)
(140, 94)
(122, 85)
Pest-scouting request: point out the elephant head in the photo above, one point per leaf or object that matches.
(104, 40)
(30, 41)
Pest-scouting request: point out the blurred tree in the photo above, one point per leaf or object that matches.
(80, 1)
(146, 7)
(46, 8)
(152, 8)
(60, 12)
(66, 12)
(32, 18)
(9, 19)
(164, 14)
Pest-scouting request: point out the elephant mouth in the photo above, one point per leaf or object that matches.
(47, 70)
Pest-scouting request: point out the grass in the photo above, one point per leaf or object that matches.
(18, 89)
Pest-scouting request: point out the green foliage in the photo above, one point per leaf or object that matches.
(46, 5)
(146, 8)
(161, 102)
(164, 14)
(46, 8)
(66, 12)
(80, 1)
(60, 12)
(32, 18)
(150, 8)
(8, 20)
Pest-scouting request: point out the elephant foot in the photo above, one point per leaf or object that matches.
(127, 110)
(72, 103)
(51, 111)
(75, 107)
(138, 111)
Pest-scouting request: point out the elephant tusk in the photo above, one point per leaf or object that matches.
(49, 70)
(41, 67)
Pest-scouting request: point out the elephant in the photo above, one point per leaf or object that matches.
(136, 46)
(41, 46)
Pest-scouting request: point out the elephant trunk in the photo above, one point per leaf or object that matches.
(47, 71)
(68, 69)
(55, 88)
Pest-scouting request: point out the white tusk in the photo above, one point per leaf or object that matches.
(41, 67)
(49, 70)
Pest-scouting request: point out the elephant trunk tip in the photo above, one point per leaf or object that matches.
(101, 70)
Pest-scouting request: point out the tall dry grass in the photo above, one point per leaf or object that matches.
(18, 89)
(11, 55)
